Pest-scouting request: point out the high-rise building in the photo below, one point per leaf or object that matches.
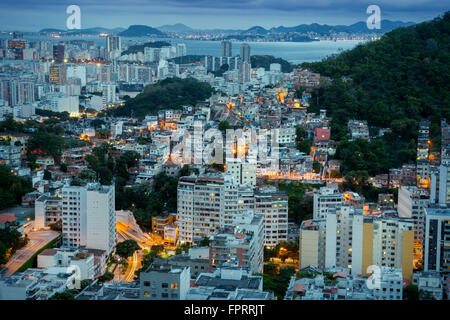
(243, 173)
(226, 49)
(440, 183)
(273, 205)
(58, 74)
(244, 72)
(423, 150)
(348, 239)
(411, 203)
(47, 210)
(241, 244)
(113, 43)
(245, 52)
(325, 200)
(89, 217)
(437, 239)
(58, 53)
(205, 203)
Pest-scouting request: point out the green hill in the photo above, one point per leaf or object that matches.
(392, 83)
(265, 61)
(140, 47)
(167, 93)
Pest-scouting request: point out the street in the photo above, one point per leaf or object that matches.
(38, 239)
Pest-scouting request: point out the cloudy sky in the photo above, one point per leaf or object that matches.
(32, 15)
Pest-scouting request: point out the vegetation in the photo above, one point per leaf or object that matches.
(282, 250)
(147, 260)
(224, 125)
(12, 188)
(303, 142)
(391, 83)
(276, 280)
(140, 47)
(171, 92)
(32, 262)
(127, 248)
(147, 201)
(11, 240)
(107, 276)
(411, 292)
(188, 59)
(300, 204)
(265, 61)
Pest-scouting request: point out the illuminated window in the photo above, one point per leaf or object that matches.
(174, 286)
(146, 294)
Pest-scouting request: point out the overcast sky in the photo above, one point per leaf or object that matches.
(33, 15)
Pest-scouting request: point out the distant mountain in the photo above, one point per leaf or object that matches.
(140, 31)
(95, 30)
(257, 30)
(176, 28)
(358, 27)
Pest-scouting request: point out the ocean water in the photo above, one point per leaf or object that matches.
(294, 52)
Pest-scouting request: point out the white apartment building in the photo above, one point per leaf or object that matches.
(326, 200)
(437, 239)
(47, 210)
(411, 203)
(205, 203)
(348, 239)
(273, 204)
(390, 285)
(440, 183)
(286, 135)
(88, 217)
(243, 173)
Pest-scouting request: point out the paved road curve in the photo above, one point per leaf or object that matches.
(38, 239)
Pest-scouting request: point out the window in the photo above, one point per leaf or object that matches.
(146, 294)
(174, 286)
(146, 283)
(164, 285)
(164, 295)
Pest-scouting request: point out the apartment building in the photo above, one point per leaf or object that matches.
(242, 244)
(88, 217)
(348, 239)
(325, 200)
(228, 283)
(243, 173)
(205, 203)
(273, 205)
(340, 284)
(47, 210)
(437, 239)
(411, 203)
(162, 281)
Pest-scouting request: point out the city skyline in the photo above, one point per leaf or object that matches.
(198, 14)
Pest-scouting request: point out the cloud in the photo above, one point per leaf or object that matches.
(213, 13)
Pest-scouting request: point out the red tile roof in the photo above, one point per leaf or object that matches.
(7, 217)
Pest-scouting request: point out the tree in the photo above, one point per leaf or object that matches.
(65, 295)
(224, 125)
(85, 283)
(204, 242)
(47, 175)
(107, 276)
(63, 167)
(317, 167)
(12, 188)
(3, 250)
(127, 248)
(411, 292)
(303, 142)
